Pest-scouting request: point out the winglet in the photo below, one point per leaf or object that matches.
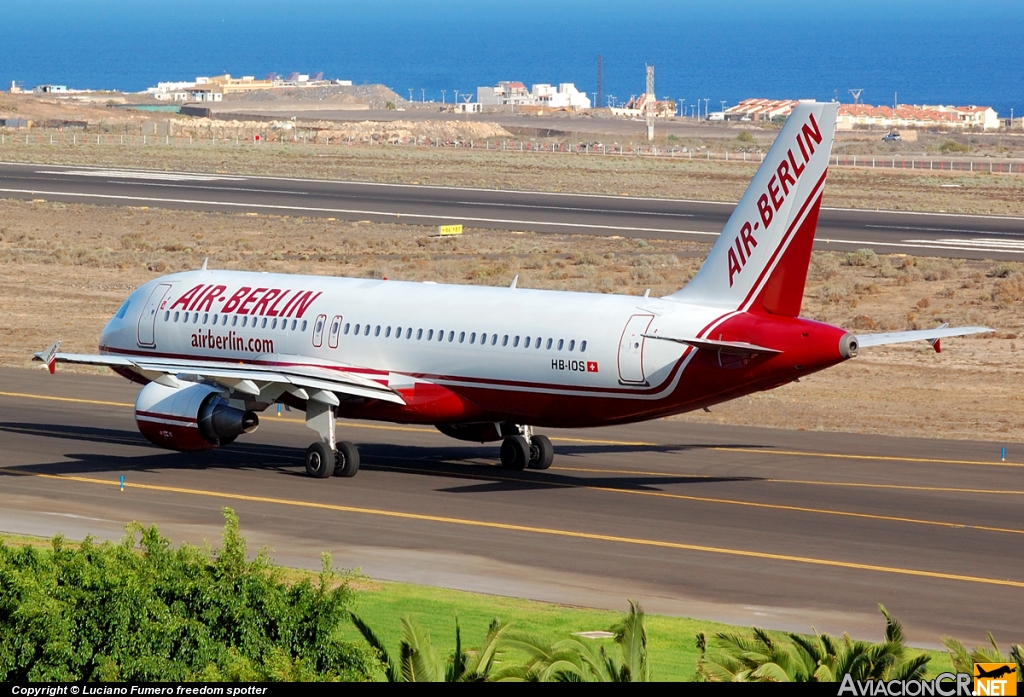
(49, 357)
(937, 343)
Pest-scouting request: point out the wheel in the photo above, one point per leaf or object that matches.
(319, 461)
(515, 453)
(346, 460)
(542, 453)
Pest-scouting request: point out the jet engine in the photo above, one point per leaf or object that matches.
(190, 417)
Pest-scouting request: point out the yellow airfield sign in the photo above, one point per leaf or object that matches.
(444, 230)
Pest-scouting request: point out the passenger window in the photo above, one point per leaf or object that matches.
(357, 330)
(264, 325)
(206, 317)
(583, 346)
(472, 338)
(561, 343)
(419, 334)
(366, 330)
(167, 315)
(387, 333)
(408, 333)
(273, 325)
(537, 345)
(430, 335)
(295, 323)
(176, 316)
(483, 339)
(303, 325)
(494, 339)
(348, 325)
(515, 342)
(195, 318)
(376, 332)
(572, 344)
(504, 340)
(462, 337)
(550, 341)
(398, 333)
(234, 321)
(451, 337)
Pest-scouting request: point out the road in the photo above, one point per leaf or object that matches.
(782, 529)
(932, 234)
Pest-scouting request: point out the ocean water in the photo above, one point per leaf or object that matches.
(916, 51)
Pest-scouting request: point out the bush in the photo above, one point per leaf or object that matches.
(141, 611)
(862, 257)
(745, 137)
(953, 146)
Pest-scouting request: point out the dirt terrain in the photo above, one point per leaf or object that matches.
(65, 269)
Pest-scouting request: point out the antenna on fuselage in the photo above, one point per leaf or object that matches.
(204, 263)
(514, 281)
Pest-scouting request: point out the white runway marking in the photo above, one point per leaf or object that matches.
(980, 243)
(133, 174)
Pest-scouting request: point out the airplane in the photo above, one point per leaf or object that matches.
(214, 348)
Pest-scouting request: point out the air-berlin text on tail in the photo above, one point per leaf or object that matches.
(779, 187)
(272, 302)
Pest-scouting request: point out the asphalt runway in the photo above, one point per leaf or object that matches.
(782, 529)
(932, 234)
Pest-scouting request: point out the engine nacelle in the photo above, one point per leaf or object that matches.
(191, 417)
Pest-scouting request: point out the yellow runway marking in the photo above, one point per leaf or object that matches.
(809, 482)
(552, 532)
(884, 458)
(66, 399)
(750, 504)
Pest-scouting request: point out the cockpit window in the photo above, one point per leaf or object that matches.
(123, 311)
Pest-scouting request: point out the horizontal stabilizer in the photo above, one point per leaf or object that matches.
(932, 336)
(732, 348)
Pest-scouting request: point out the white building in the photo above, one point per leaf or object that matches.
(509, 93)
(565, 97)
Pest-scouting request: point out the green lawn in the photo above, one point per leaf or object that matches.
(671, 640)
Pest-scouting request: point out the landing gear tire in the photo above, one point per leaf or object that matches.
(542, 453)
(346, 460)
(319, 461)
(515, 453)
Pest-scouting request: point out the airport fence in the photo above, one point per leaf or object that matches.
(315, 139)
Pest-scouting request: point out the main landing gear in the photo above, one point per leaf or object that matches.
(328, 457)
(526, 450)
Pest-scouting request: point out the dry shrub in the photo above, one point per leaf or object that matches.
(1004, 269)
(823, 267)
(936, 269)
(862, 322)
(1009, 290)
(862, 257)
(832, 293)
(923, 303)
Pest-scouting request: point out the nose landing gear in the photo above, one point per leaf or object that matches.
(526, 450)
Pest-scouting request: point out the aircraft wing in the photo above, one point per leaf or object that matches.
(320, 383)
(932, 336)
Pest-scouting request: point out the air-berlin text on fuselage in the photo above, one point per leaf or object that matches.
(768, 203)
(271, 302)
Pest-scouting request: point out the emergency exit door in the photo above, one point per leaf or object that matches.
(631, 349)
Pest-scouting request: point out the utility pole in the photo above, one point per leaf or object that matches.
(600, 80)
(856, 94)
(650, 102)
(423, 95)
(705, 107)
(682, 107)
(442, 95)
(410, 94)
(723, 109)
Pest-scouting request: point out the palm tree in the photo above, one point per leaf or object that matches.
(732, 657)
(572, 660)
(963, 660)
(419, 662)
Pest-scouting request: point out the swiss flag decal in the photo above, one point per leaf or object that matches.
(591, 366)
